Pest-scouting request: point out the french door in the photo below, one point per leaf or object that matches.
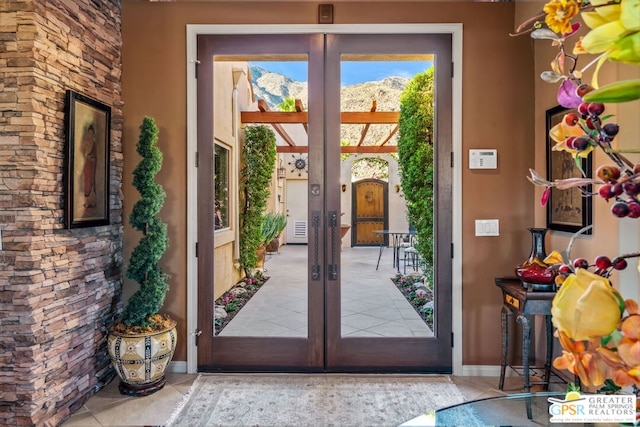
(311, 324)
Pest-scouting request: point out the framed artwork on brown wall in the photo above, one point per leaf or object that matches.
(88, 137)
(567, 210)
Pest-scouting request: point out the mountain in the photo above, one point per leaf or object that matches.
(274, 87)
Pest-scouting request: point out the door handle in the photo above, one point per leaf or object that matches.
(315, 224)
(333, 267)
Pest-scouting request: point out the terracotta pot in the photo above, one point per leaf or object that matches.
(140, 360)
(261, 251)
(273, 245)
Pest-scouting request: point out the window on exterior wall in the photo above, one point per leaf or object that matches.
(221, 187)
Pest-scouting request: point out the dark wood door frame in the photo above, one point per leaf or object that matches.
(325, 349)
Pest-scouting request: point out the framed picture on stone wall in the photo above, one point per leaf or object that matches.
(87, 126)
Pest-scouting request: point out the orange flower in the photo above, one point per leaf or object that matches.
(559, 14)
(631, 327)
(577, 48)
(587, 363)
(629, 352)
(625, 359)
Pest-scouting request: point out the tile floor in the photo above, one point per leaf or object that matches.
(371, 303)
(109, 408)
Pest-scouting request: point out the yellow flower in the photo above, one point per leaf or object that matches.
(586, 306)
(559, 14)
(560, 132)
(614, 28)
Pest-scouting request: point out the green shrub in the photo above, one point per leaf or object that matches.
(272, 225)
(143, 265)
(258, 160)
(415, 158)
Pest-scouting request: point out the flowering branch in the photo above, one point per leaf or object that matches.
(600, 343)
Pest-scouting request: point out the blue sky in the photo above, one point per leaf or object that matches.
(352, 72)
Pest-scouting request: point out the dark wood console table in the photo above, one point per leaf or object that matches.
(518, 301)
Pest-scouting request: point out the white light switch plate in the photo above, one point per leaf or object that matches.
(487, 227)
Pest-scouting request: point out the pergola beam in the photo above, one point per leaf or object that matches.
(366, 126)
(388, 138)
(300, 109)
(351, 149)
(347, 117)
(263, 107)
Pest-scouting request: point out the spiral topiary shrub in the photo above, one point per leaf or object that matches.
(142, 344)
(143, 265)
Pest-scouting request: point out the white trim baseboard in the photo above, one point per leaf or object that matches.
(178, 367)
(485, 371)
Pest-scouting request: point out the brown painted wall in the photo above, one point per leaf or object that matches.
(497, 110)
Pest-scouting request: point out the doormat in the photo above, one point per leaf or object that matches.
(312, 399)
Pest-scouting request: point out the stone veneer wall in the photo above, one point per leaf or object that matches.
(59, 289)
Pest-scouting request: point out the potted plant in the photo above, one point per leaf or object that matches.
(272, 225)
(258, 159)
(141, 345)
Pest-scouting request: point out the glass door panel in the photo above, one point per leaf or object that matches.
(271, 300)
(254, 290)
(381, 246)
(375, 318)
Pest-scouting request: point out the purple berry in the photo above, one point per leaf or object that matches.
(611, 129)
(619, 263)
(620, 209)
(595, 108)
(634, 209)
(631, 188)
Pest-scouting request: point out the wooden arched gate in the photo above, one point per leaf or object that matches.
(369, 207)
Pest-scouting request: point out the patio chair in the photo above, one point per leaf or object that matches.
(410, 255)
(411, 258)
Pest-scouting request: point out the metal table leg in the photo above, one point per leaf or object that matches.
(396, 252)
(505, 314)
(380, 253)
(547, 365)
(526, 344)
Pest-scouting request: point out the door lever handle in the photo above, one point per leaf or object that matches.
(315, 267)
(333, 266)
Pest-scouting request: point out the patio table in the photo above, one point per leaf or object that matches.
(395, 236)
